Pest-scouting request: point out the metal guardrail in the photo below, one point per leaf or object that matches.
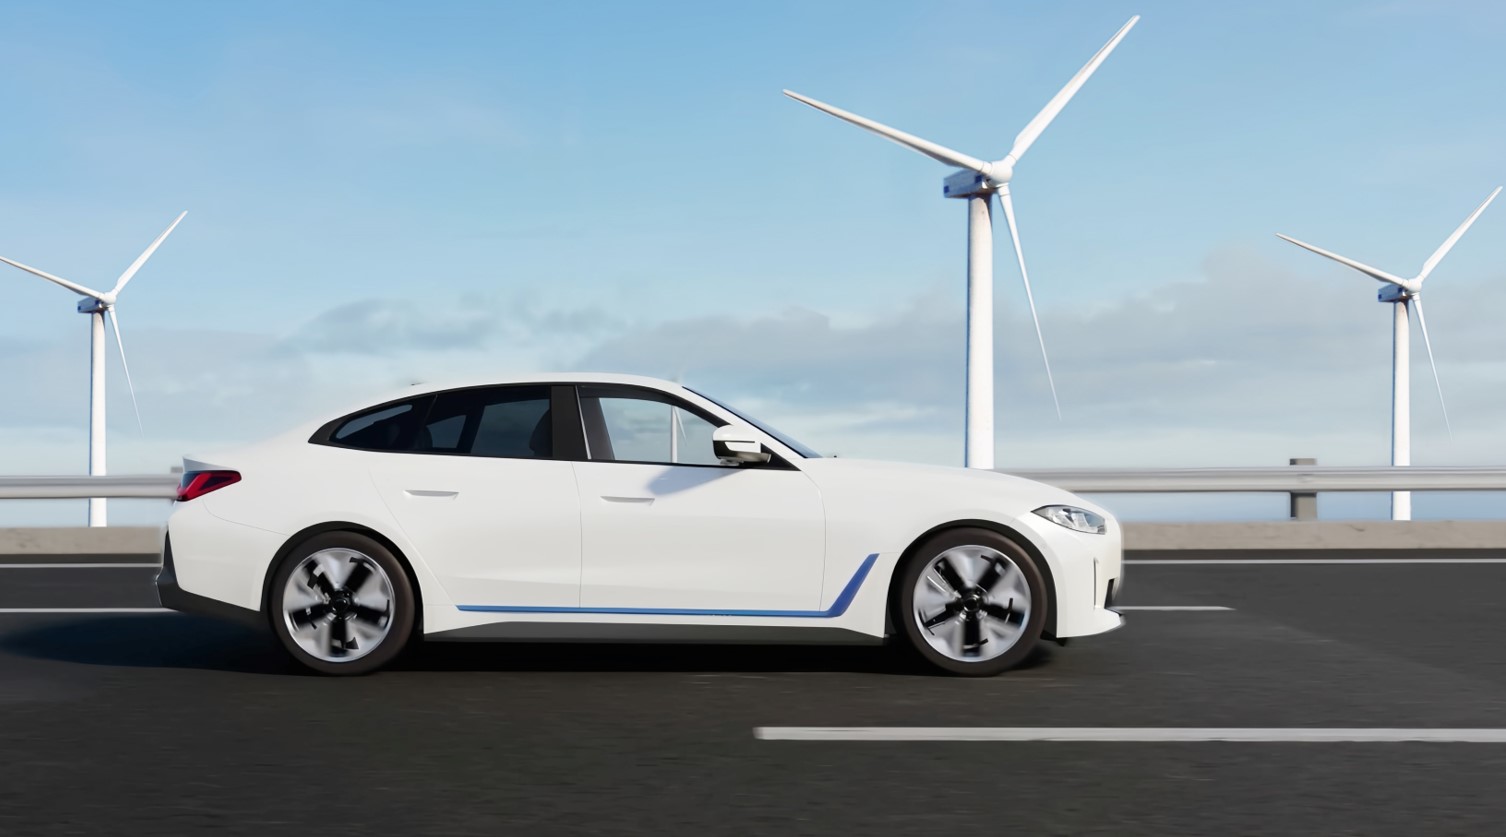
(1294, 479)
(152, 486)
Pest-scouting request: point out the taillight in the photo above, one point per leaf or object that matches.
(198, 483)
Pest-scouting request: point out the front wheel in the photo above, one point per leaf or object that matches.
(971, 602)
(341, 604)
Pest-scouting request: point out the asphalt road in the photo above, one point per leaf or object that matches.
(129, 723)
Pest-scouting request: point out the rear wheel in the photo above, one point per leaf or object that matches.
(342, 604)
(971, 602)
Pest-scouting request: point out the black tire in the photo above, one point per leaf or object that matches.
(399, 613)
(920, 561)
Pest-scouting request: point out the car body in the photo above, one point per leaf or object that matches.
(612, 507)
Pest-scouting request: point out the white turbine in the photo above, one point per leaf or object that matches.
(97, 305)
(978, 182)
(1403, 294)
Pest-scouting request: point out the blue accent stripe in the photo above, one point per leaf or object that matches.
(838, 607)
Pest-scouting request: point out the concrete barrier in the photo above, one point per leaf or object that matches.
(1262, 536)
(76, 541)
(1277, 535)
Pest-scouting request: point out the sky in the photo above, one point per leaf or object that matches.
(383, 192)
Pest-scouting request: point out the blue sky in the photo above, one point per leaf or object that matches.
(385, 191)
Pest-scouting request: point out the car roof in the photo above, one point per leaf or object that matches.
(443, 384)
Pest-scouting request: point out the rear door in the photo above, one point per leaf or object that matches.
(487, 497)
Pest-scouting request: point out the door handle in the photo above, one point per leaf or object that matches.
(638, 501)
(418, 492)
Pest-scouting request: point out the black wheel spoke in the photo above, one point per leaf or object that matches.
(358, 576)
(946, 615)
(369, 615)
(340, 642)
(309, 615)
(991, 576)
(972, 633)
(948, 574)
(1005, 613)
(319, 581)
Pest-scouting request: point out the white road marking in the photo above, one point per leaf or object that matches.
(1134, 734)
(4, 610)
(1189, 608)
(1204, 562)
(79, 566)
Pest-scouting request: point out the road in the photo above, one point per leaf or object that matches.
(158, 723)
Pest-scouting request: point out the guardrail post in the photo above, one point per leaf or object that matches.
(1304, 503)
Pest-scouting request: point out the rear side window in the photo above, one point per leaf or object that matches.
(391, 427)
(508, 421)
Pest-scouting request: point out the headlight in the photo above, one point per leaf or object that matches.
(1078, 520)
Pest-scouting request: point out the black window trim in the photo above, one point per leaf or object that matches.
(568, 421)
(569, 438)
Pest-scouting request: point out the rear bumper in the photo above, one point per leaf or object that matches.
(174, 597)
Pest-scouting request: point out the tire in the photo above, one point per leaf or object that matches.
(326, 625)
(959, 626)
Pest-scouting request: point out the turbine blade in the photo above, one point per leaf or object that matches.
(940, 153)
(1437, 257)
(1423, 322)
(146, 254)
(1373, 272)
(115, 324)
(1032, 131)
(72, 286)
(1014, 236)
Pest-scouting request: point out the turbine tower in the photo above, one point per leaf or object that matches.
(977, 183)
(1403, 294)
(99, 305)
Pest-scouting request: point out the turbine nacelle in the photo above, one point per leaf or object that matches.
(96, 305)
(992, 177)
(1395, 293)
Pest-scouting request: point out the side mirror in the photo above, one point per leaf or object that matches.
(735, 445)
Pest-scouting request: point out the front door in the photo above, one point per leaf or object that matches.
(665, 528)
(484, 500)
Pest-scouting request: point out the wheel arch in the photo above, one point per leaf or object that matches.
(297, 539)
(997, 528)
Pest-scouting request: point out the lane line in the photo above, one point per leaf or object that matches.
(1136, 734)
(79, 566)
(1204, 562)
(1188, 608)
(4, 610)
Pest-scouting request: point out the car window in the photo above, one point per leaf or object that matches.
(513, 422)
(624, 425)
(388, 428)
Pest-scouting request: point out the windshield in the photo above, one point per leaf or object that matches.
(784, 439)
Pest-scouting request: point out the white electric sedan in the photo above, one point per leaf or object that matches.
(616, 508)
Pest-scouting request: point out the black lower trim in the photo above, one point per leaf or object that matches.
(176, 598)
(609, 632)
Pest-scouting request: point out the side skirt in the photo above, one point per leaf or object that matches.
(633, 632)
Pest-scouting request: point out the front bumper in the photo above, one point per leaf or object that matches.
(172, 596)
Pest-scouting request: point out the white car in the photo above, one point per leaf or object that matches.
(610, 507)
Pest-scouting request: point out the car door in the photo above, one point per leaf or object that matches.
(665, 527)
(488, 497)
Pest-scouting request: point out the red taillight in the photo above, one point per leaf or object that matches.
(198, 483)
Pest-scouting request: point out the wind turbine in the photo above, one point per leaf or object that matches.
(98, 305)
(977, 182)
(1403, 294)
